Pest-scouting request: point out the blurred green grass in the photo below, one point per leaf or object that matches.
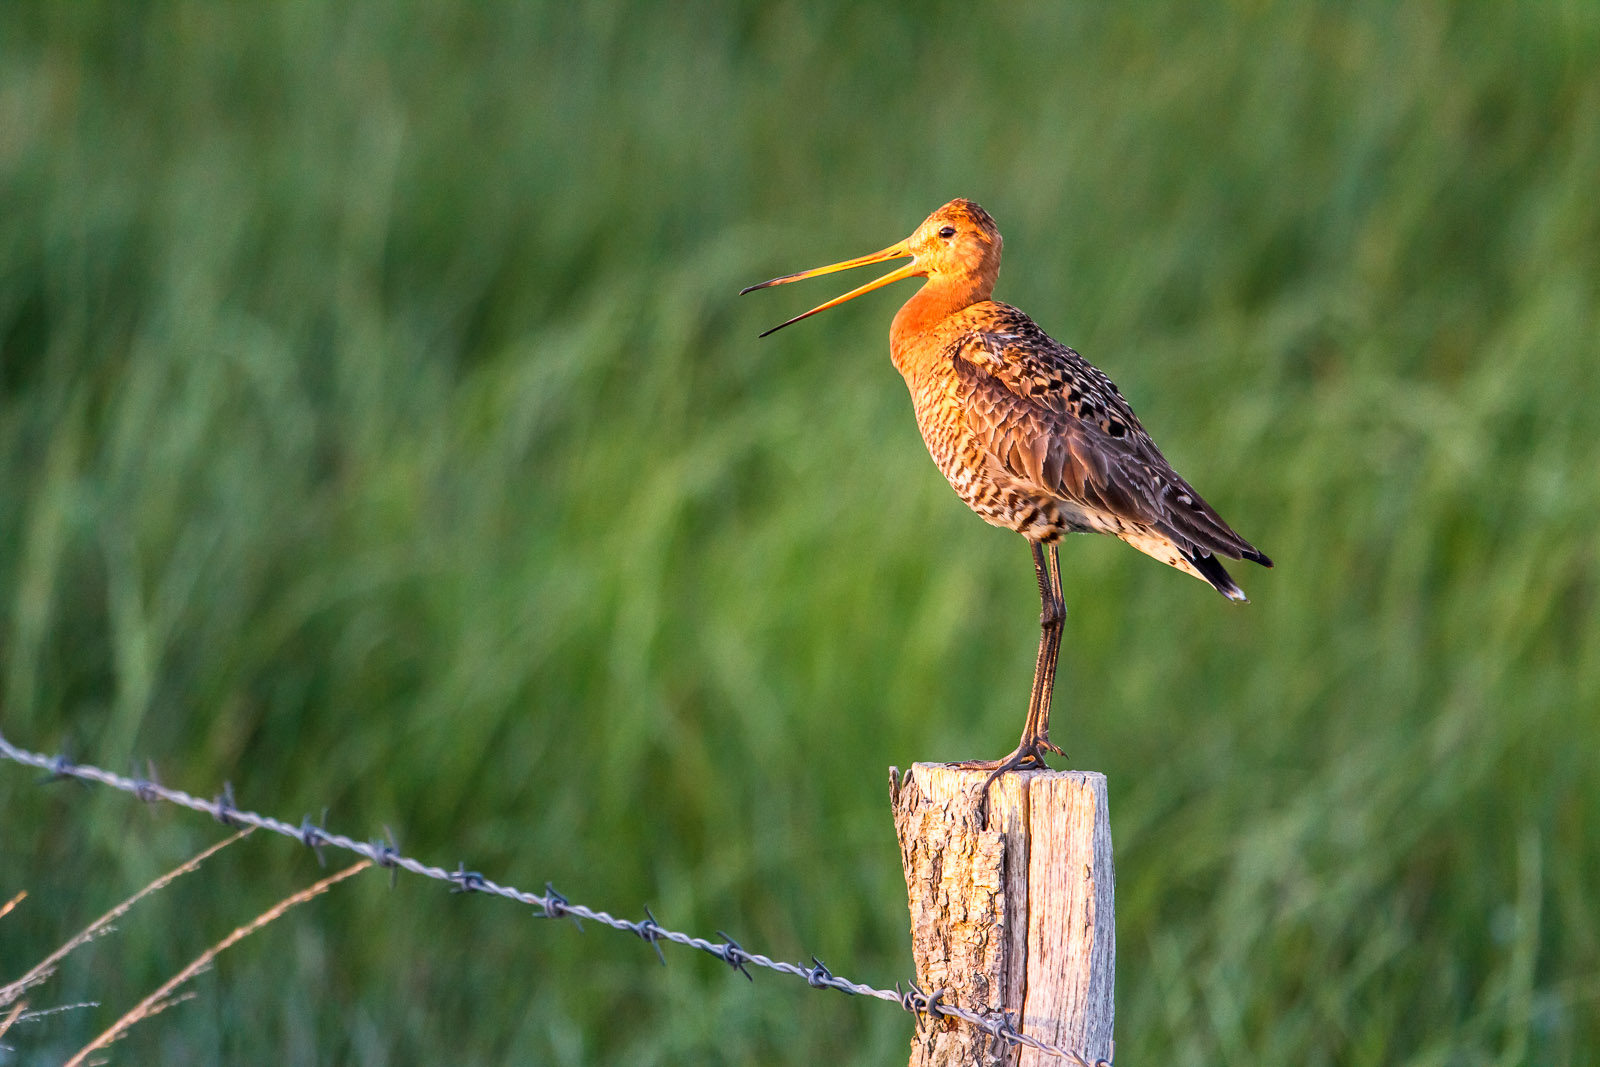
(379, 430)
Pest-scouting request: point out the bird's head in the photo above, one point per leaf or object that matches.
(958, 241)
(958, 244)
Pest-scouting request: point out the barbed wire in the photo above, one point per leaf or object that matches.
(551, 904)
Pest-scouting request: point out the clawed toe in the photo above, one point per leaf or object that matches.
(1017, 761)
(1029, 756)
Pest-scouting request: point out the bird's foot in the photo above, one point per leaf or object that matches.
(1020, 760)
(1029, 756)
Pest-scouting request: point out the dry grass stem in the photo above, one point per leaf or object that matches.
(172, 1002)
(162, 997)
(12, 1016)
(47, 966)
(30, 1016)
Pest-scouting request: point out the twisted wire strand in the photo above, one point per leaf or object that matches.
(551, 904)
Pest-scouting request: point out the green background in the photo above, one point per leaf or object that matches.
(380, 430)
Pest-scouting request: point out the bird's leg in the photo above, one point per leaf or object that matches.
(1036, 731)
(1035, 742)
(1029, 754)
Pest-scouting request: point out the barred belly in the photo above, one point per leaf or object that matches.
(993, 495)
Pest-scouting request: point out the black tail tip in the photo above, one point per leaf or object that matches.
(1211, 570)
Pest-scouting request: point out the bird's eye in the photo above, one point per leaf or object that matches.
(948, 232)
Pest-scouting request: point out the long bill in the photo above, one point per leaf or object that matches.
(892, 252)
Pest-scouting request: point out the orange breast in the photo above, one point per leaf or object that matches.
(953, 436)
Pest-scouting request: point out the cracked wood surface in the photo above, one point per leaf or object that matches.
(1014, 914)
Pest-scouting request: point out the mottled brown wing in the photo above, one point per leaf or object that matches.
(1053, 421)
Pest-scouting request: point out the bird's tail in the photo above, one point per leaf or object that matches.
(1203, 564)
(1211, 569)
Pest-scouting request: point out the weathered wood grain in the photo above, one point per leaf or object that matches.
(1013, 913)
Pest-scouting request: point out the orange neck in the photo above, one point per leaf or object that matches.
(937, 300)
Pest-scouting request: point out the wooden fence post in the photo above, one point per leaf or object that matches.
(1013, 916)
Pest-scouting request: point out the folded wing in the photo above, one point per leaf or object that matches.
(1053, 422)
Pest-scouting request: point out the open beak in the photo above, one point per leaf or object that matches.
(897, 251)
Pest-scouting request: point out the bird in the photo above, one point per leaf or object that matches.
(1032, 436)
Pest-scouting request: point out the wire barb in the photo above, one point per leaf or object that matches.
(731, 953)
(223, 807)
(651, 932)
(58, 769)
(819, 977)
(146, 788)
(386, 853)
(555, 906)
(312, 836)
(465, 881)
